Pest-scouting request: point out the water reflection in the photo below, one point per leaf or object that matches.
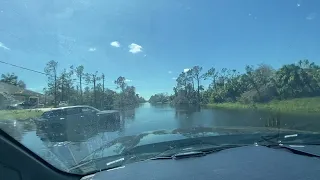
(187, 115)
(81, 138)
(17, 128)
(128, 114)
(71, 140)
(149, 117)
(72, 131)
(12, 128)
(186, 110)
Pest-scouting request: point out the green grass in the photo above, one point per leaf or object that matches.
(304, 105)
(19, 114)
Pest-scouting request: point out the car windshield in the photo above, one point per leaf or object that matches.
(83, 80)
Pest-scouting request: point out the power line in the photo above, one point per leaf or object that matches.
(23, 68)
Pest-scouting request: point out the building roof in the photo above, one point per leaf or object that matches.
(15, 90)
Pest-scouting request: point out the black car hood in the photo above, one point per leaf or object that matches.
(242, 163)
(118, 145)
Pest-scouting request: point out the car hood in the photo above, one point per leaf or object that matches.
(118, 145)
(121, 144)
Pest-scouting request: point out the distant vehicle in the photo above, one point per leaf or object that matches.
(14, 106)
(40, 105)
(63, 103)
(28, 104)
(23, 105)
(33, 100)
(73, 117)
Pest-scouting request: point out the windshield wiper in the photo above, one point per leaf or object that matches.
(114, 164)
(181, 155)
(293, 145)
(194, 151)
(296, 138)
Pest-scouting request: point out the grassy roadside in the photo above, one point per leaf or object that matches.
(305, 105)
(19, 114)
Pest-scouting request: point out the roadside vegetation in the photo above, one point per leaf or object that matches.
(87, 88)
(11, 78)
(78, 87)
(19, 114)
(298, 105)
(293, 87)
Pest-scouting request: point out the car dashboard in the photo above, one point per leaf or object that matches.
(249, 162)
(241, 163)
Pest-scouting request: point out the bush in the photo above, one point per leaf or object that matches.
(267, 93)
(180, 100)
(248, 97)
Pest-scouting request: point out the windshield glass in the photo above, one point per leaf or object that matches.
(85, 80)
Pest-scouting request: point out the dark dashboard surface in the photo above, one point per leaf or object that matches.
(251, 162)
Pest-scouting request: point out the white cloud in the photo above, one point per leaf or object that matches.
(170, 72)
(66, 13)
(92, 49)
(38, 89)
(298, 5)
(3, 46)
(115, 44)
(135, 48)
(186, 70)
(128, 80)
(174, 78)
(311, 16)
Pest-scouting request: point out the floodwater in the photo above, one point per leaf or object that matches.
(147, 118)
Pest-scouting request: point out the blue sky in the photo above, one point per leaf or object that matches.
(151, 41)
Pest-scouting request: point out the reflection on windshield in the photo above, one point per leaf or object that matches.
(92, 79)
(72, 141)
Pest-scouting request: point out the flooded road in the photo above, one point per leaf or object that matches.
(83, 140)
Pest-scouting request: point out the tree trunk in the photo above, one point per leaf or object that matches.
(81, 99)
(77, 100)
(102, 99)
(198, 81)
(103, 85)
(45, 98)
(192, 84)
(94, 91)
(258, 91)
(214, 83)
(256, 88)
(55, 89)
(68, 92)
(62, 90)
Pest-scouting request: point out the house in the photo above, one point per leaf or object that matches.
(10, 94)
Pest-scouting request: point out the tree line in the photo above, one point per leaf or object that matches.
(76, 86)
(258, 84)
(11, 78)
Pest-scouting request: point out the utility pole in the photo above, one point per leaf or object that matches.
(102, 102)
(94, 76)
